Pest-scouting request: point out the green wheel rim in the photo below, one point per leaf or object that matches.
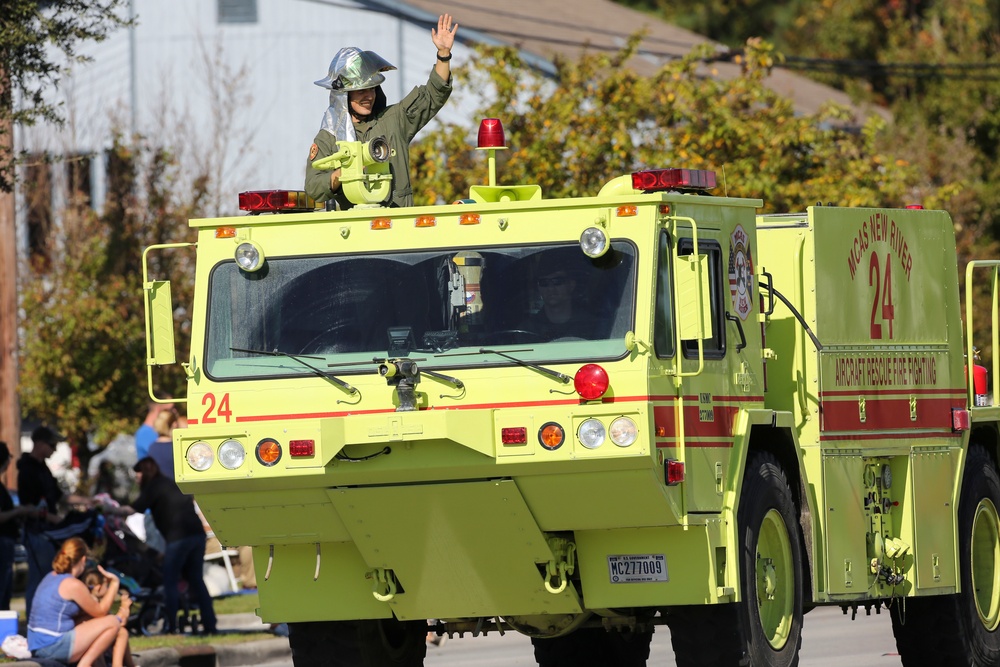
(985, 555)
(775, 580)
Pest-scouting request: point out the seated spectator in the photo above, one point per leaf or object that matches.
(53, 632)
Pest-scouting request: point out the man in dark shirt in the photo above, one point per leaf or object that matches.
(36, 486)
(175, 517)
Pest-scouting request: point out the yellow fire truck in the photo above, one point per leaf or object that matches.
(582, 418)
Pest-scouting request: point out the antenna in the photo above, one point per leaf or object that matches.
(725, 186)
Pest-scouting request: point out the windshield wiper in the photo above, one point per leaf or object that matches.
(562, 377)
(302, 360)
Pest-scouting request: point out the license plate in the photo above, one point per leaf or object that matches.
(637, 568)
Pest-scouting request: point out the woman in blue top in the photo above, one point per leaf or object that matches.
(61, 596)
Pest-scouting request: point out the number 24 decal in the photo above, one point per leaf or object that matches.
(888, 311)
(222, 409)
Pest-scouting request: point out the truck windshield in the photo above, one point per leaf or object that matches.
(550, 303)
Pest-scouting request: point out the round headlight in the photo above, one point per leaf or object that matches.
(594, 242)
(232, 454)
(592, 433)
(249, 256)
(623, 432)
(199, 456)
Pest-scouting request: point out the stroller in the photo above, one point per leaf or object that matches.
(138, 568)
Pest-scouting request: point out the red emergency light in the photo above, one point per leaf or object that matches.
(491, 134)
(655, 180)
(276, 201)
(591, 382)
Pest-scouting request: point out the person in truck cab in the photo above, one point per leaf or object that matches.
(358, 112)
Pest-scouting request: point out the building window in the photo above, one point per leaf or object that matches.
(237, 11)
(37, 189)
(78, 183)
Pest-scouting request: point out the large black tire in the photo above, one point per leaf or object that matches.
(594, 647)
(962, 629)
(370, 643)
(765, 628)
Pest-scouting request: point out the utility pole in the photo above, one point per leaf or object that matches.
(10, 412)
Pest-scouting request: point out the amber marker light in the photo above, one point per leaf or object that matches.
(425, 221)
(225, 232)
(470, 219)
(268, 451)
(382, 223)
(551, 436)
(627, 211)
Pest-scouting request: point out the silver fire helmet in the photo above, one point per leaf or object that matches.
(354, 69)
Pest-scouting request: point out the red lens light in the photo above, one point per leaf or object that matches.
(273, 201)
(300, 448)
(514, 435)
(673, 472)
(491, 134)
(961, 420)
(591, 381)
(655, 180)
(915, 207)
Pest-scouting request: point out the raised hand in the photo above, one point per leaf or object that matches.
(444, 36)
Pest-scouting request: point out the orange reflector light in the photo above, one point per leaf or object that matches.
(627, 210)
(300, 448)
(551, 436)
(470, 219)
(514, 435)
(664, 209)
(591, 381)
(225, 232)
(382, 223)
(661, 431)
(275, 201)
(426, 221)
(673, 472)
(268, 451)
(960, 419)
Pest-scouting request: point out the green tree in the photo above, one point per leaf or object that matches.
(83, 350)
(596, 119)
(35, 39)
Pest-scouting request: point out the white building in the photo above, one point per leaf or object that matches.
(227, 82)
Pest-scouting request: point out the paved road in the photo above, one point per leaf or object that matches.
(830, 639)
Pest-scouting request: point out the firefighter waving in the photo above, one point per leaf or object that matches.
(358, 112)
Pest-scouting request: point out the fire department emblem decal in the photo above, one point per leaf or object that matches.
(740, 272)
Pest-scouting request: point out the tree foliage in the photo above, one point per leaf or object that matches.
(935, 64)
(83, 354)
(31, 33)
(597, 119)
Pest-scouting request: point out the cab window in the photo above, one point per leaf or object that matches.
(714, 347)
